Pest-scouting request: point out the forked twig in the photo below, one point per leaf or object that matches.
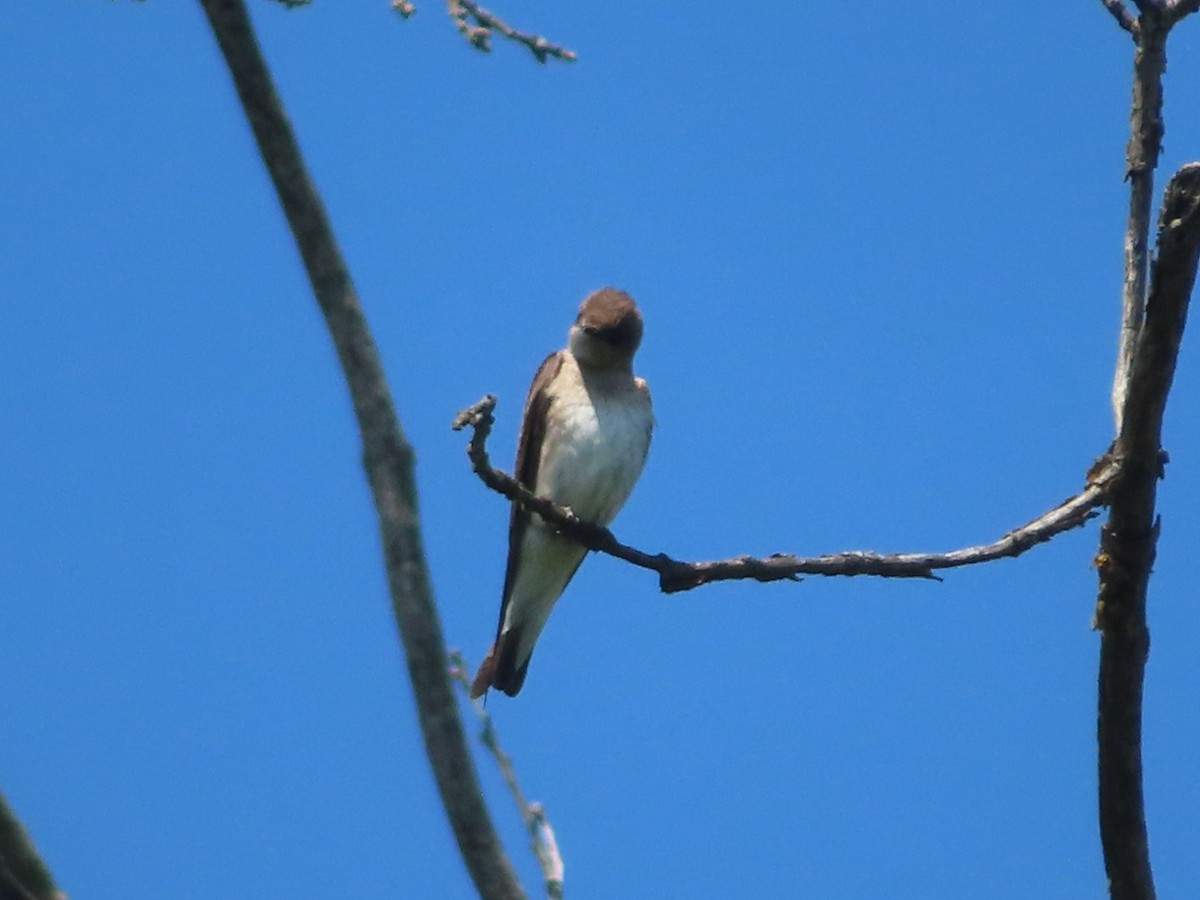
(479, 34)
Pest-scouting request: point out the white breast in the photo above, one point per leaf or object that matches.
(596, 443)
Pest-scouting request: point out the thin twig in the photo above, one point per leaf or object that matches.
(479, 34)
(23, 874)
(533, 814)
(676, 575)
(387, 455)
(1121, 13)
(1128, 540)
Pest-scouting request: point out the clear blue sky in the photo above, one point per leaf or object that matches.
(879, 254)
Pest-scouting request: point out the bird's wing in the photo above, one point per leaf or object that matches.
(529, 455)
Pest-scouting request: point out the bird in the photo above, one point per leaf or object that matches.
(585, 435)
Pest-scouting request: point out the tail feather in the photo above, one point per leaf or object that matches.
(499, 669)
(483, 678)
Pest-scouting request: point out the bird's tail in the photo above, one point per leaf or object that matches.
(500, 669)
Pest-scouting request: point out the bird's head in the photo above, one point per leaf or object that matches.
(607, 330)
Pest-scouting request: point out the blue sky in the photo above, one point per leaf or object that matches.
(879, 255)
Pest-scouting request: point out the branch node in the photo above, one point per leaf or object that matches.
(477, 415)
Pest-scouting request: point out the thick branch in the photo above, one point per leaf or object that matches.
(1178, 9)
(479, 35)
(23, 875)
(387, 455)
(1141, 156)
(1127, 545)
(675, 575)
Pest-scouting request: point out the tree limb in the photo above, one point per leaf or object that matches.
(23, 874)
(387, 455)
(1127, 543)
(1121, 13)
(479, 35)
(1178, 9)
(1141, 156)
(676, 575)
(1151, 328)
(533, 814)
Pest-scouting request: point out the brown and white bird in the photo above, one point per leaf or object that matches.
(584, 440)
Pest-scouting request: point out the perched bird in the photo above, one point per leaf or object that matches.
(584, 440)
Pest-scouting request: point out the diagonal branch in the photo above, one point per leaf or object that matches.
(387, 455)
(533, 814)
(1128, 539)
(676, 575)
(1178, 9)
(1121, 13)
(479, 35)
(23, 875)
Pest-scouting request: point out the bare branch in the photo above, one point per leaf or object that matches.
(23, 874)
(1128, 539)
(387, 455)
(1179, 9)
(1121, 13)
(675, 575)
(541, 835)
(480, 34)
(1151, 328)
(1145, 144)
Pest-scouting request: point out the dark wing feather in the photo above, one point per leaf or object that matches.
(529, 457)
(533, 432)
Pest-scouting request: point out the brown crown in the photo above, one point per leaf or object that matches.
(612, 316)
